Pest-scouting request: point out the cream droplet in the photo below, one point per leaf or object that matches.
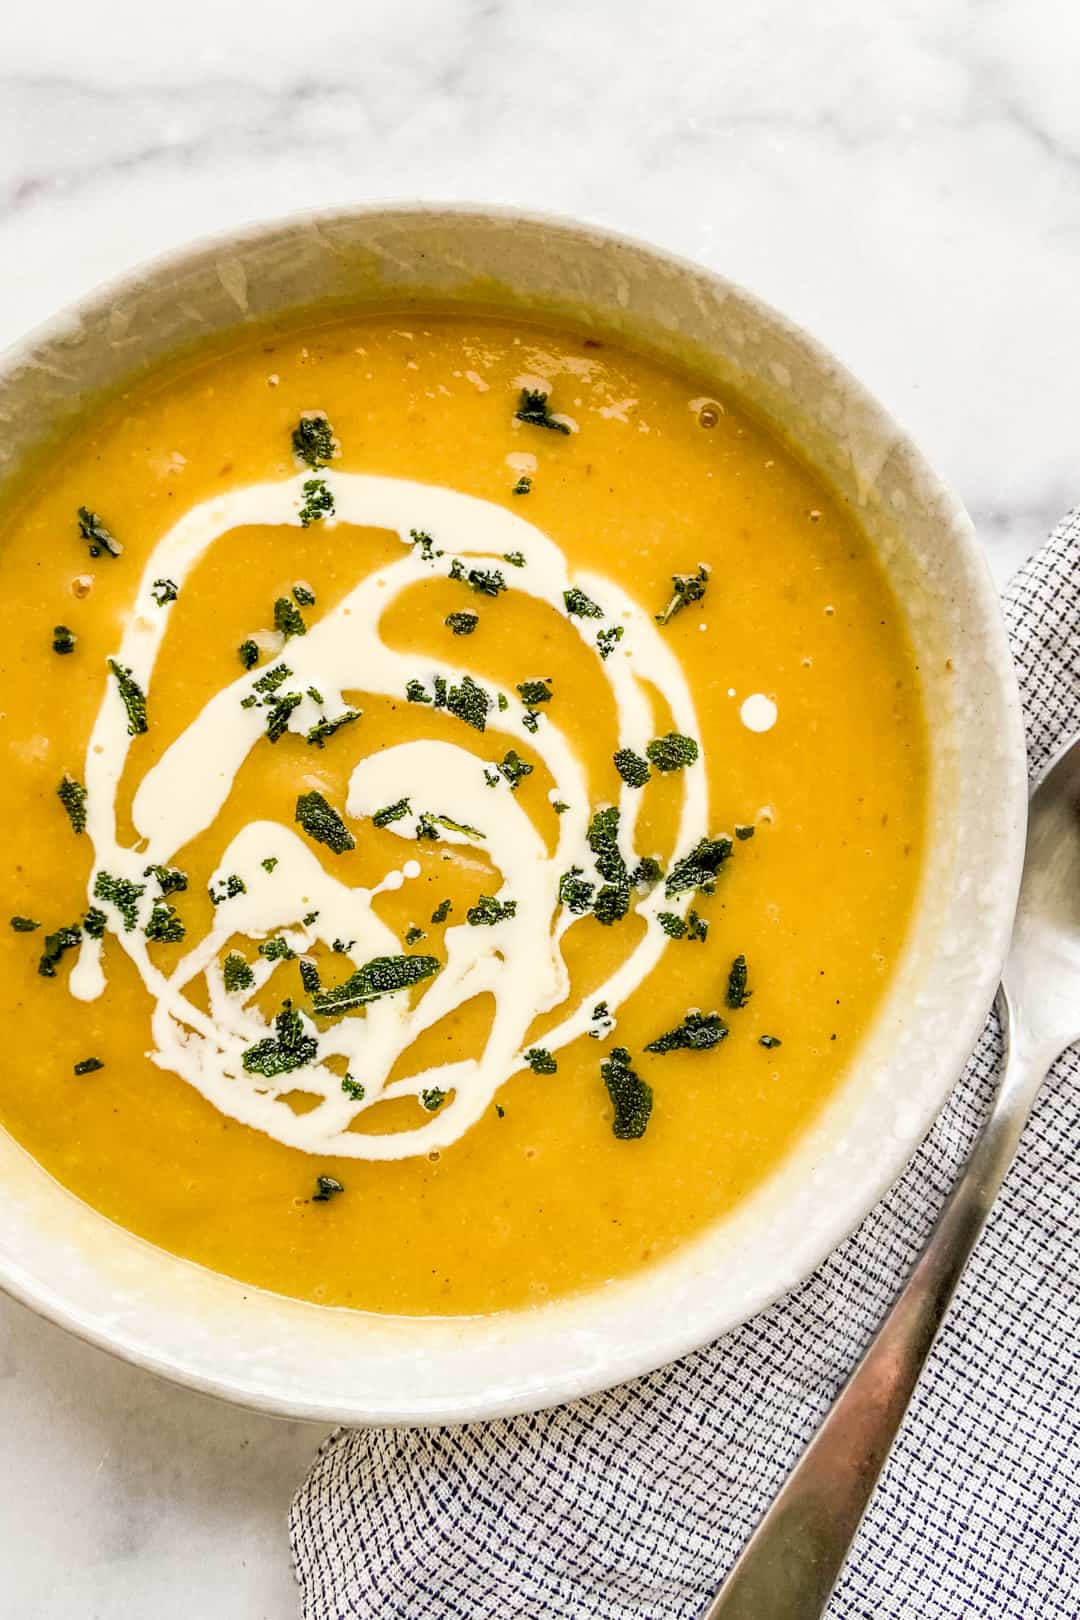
(411, 869)
(758, 712)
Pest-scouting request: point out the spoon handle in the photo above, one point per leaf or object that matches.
(791, 1563)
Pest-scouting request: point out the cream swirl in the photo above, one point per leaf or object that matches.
(519, 962)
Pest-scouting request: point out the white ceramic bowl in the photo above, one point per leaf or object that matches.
(75, 1267)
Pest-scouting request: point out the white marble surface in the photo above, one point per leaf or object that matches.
(902, 176)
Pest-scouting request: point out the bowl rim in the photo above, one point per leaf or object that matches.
(667, 1342)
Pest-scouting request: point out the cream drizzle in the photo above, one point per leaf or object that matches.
(519, 961)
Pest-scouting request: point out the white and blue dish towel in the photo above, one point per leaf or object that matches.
(631, 1505)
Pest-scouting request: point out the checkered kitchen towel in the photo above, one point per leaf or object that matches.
(632, 1504)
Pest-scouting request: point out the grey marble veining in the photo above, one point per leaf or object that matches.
(902, 176)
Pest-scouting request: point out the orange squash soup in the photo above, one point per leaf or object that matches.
(464, 800)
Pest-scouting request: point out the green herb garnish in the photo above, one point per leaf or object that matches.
(696, 927)
(99, 537)
(248, 653)
(632, 1097)
(672, 752)
(269, 863)
(226, 888)
(288, 1049)
(94, 923)
(442, 911)
(737, 993)
(611, 904)
(309, 977)
(575, 892)
(269, 681)
(321, 732)
(607, 640)
(459, 826)
(602, 838)
(523, 485)
(24, 925)
(414, 935)
(416, 692)
(514, 769)
(323, 824)
(132, 697)
(469, 702)
(697, 1033)
(353, 1088)
(63, 639)
(768, 1041)
(64, 939)
(277, 721)
(631, 767)
(613, 899)
(318, 502)
(580, 606)
(488, 911)
(426, 544)
(288, 619)
(72, 796)
(169, 879)
(743, 832)
(382, 976)
(313, 439)
(277, 949)
(700, 868)
(88, 1066)
(533, 409)
(303, 595)
(516, 559)
(462, 624)
(540, 1060)
(531, 721)
(164, 926)
(122, 894)
(647, 873)
(602, 1021)
(686, 588)
(164, 591)
(487, 581)
(237, 973)
(534, 692)
(390, 812)
(325, 1188)
(432, 1099)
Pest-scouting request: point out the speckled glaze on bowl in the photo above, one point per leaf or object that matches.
(216, 1335)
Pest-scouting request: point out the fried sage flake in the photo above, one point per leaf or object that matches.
(631, 1097)
(697, 1032)
(323, 823)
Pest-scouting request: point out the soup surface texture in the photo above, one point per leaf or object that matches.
(464, 799)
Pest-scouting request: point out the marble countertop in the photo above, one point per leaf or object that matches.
(901, 176)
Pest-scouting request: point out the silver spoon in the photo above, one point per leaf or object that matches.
(791, 1563)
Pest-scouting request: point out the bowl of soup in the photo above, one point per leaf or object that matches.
(514, 796)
